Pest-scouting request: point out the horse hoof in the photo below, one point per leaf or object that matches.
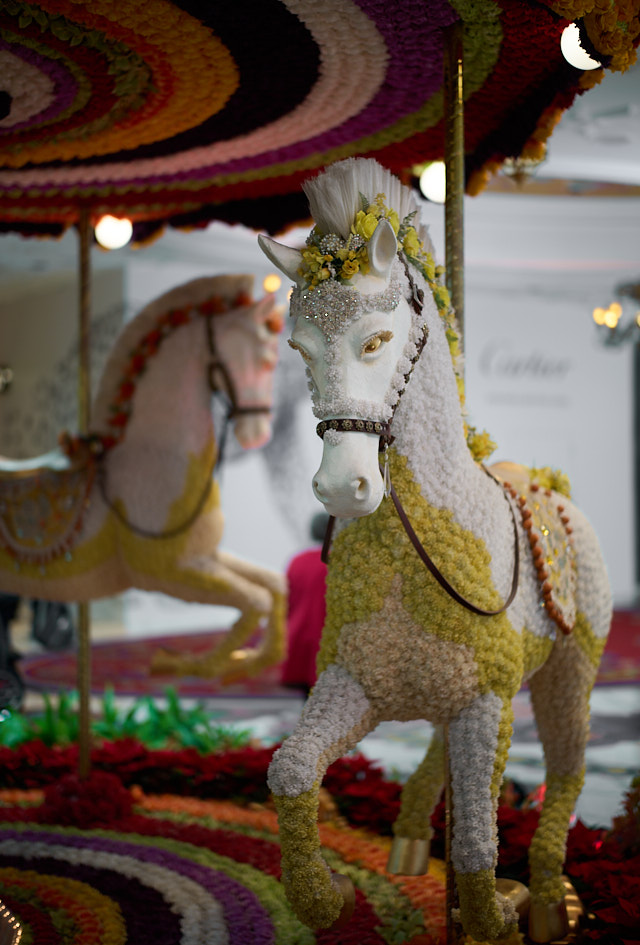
(345, 887)
(408, 857)
(548, 923)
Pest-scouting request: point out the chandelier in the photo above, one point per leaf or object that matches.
(620, 322)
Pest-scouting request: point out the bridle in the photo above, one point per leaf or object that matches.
(386, 438)
(234, 409)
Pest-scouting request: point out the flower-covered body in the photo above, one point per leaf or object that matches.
(134, 503)
(397, 642)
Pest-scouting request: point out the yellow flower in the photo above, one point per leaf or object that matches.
(365, 224)
(411, 243)
(429, 267)
(394, 220)
(349, 268)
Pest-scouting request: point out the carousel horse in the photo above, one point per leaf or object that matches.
(135, 502)
(449, 584)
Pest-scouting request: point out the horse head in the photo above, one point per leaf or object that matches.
(244, 349)
(359, 327)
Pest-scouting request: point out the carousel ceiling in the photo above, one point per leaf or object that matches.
(185, 112)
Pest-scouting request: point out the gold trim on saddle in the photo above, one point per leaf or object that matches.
(548, 529)
(42, 506)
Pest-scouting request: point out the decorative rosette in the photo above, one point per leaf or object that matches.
(186, 112)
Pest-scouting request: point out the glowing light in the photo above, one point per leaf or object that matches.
(599, 315)
(611, 318)
(433, 182)
(113, 233)
(272, 282)
(573, 51)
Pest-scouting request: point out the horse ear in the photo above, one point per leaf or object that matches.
(284, 257)
(382, 249)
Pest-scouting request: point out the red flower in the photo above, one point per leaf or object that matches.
(97, 801)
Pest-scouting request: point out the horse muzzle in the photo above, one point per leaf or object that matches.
(348, 482)
(252, 429)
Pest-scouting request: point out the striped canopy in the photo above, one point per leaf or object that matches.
(184, 112)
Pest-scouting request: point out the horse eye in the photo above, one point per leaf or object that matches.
(305, 355)
(372, 344)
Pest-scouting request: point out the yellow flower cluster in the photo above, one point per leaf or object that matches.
(550, 478)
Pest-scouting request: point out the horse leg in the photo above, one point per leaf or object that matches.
(478, 742)
(560, 698)
(335, 717)
(409, 855)
(232, 590)
(273, 645)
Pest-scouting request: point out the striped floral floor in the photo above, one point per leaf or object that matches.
(176, 847)
(184, 871)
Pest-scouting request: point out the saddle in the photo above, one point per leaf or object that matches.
(43, 500)
(549, 531)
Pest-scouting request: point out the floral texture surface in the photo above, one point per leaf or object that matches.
(161, 112)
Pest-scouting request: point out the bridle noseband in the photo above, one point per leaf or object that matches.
(383, 430)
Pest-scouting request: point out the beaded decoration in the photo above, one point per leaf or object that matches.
(333, 305)
(547, 526)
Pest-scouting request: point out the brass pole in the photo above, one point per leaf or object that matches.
(84, 407)
(454, 169)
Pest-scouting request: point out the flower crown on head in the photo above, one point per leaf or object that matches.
(330, 256)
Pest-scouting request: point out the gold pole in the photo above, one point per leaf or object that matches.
(454, 169)
(84, 407)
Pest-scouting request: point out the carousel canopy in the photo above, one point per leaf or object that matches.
(185, 112)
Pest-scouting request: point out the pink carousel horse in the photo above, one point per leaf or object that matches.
(135, 503)
(446, 588)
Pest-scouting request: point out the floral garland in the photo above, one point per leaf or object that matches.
(121, 409)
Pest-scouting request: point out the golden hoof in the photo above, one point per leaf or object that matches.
(517, 893)
(345, 887)
(548, 923)
(408, 857)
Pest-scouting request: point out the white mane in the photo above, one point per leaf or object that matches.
(335, 196)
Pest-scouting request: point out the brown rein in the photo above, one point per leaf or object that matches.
(383, 430)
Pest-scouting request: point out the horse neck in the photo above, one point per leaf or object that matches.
(428, 424)
(170, 406)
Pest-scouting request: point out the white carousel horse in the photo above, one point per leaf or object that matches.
(135, 503)
(443, 596)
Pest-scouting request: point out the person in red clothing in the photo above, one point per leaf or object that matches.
(306, 576)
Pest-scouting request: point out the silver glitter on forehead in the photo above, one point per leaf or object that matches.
(333, 306)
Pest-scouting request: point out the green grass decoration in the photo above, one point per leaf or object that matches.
(155, 725)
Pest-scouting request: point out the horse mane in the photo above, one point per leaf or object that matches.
(187, 295)
(335, 196)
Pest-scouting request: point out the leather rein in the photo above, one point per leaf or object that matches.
(383, 430)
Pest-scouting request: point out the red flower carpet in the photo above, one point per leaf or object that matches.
(178, 847)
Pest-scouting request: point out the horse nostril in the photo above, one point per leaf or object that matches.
(361, 488)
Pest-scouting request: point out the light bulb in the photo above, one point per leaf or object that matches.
(433, 182)
(112, 232)
(573, 51)
(599, 315)
(272, 282)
